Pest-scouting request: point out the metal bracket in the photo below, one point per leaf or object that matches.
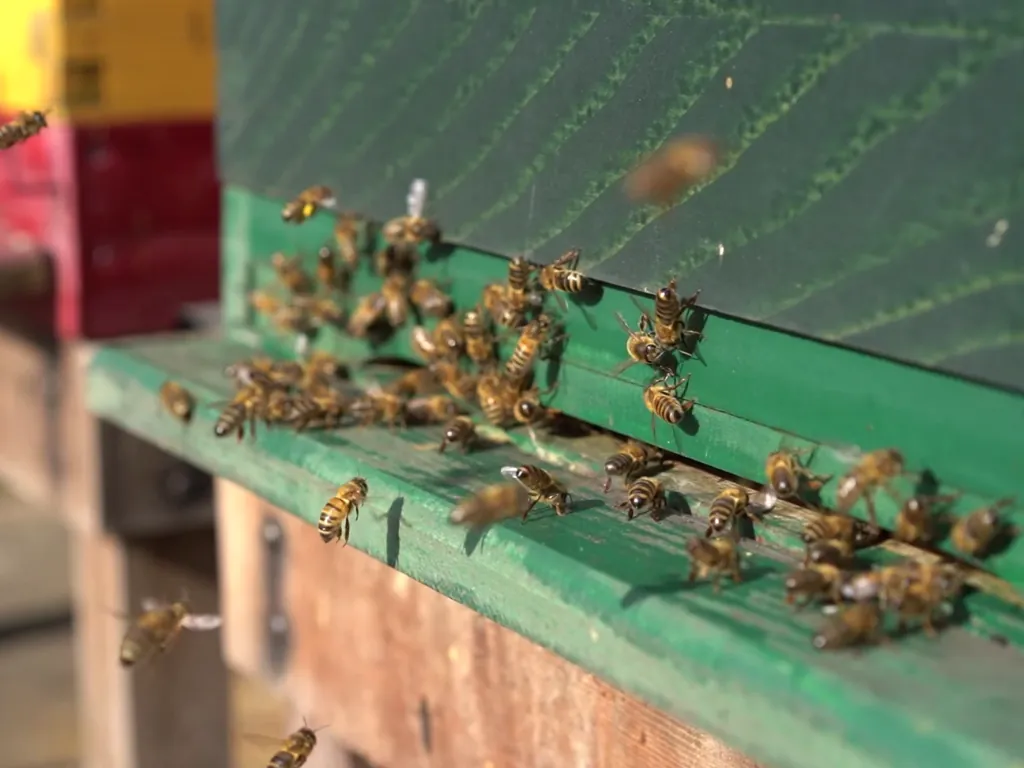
(276, 624)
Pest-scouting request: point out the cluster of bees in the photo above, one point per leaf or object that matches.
(24, 126)
(461, 370)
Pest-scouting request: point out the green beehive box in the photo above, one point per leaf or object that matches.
(859, 262)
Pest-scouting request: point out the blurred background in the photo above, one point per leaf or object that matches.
(108, 228)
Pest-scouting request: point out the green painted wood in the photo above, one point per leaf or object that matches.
(872, 147)
(757, 389)
(605, 594)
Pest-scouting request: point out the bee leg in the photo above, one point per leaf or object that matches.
(716, 582)
(355, 509)
(693, 573)
(737, 576)
(607, 483)
(442, 446)
(345, 530)
(929, 626)
(869, 501)
(532, 504)
(708, 531)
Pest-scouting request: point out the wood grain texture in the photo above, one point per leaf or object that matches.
(830, 214)
(375, 655)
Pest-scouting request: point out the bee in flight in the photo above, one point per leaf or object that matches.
(295, 750)
(334, 517)
(307, 203)
(21, 128)
(678, 165)
(155, 629)
(491, 504)
(540, 486)
(177, 400)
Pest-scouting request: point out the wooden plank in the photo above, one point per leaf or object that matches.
(382, 656)
(173, 711)
(28, 442)
(606, 594)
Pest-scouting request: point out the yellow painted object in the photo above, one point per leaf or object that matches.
(108, 61)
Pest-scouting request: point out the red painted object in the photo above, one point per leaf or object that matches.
(130, 214)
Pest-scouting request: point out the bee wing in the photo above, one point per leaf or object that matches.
(510, 472)
(153, 604)
(201, 622)
(623, 366)
(764, 500)
(416, 200)
(259, 738)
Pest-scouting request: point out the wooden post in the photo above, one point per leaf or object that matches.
(407, 677)
(171, 711)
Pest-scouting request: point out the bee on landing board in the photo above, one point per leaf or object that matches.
(974, 534)
(334, 517)
(540, 486)
(496, 502)
(631, 459)
(814, 582)
(307, 203)
(668, 325)
(460, 431)
(22, 128)
(155, 629)
(529, 411)
(561, 276)
(433, 409)
(713, 558)
(679, 164)
(876, 469)
(244, 407)
(925, 589)
(645, 493)
(726, 508)
(663, 401)
(916, 520)
(497, 399)
(455, 381)
(858, 624)
(177, 400)
(785, 474)
(379, 407)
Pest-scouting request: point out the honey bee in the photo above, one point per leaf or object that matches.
(449, 338)
(278, 407)
(319, 371)
(926, 588)
(285, 372)
(714, 558)
(518, 289)
(396, 259)
(346, 235)
(726, 508)
(540, 486)
(668, 325)
(177, 400)
(23, 127)
(496, 302)
(413, 228)
(479, 341)
(429, 299)
(562, 275)
(529, 411)
(319, 311)
(291, 274)
(334, 517)
(877, 584)
(491, 504)
(632, 458)
(838, 552)
(974, 534)
(418, 381)
(916, 520)
(431, 410)
(323, 410)
(285, 317)
(785, 474)
(820, 580)
(244, 406)
(265, 303)
(642, 494)
(308, 202)
(296, 749)
(379, 407)
(157, 627)
(857, 624)
(456, 382)
(459, 431)
(368, 312)
(679, 164)
(838, 527)
(396, 302)
(497, 399)
(520, 364)
(423, 344)
(328, 272)
(641, 346)
(662, 400)
(875, 469)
